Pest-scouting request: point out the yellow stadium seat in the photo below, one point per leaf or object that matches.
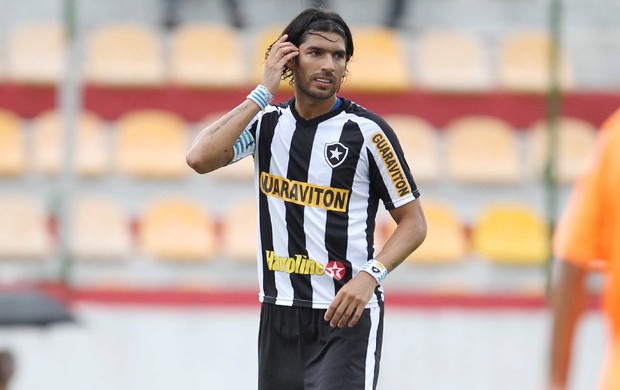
(177, 229)
(124, 55)
(36, 53)
(151, 144)
(207, 55)
(576, 139)
(91, 156)
(445, 242)
(482, 149)
(452, 62)
(12, 145)
(23, 228)
(523, 64)
(511, 234)
(241, 170)
(48, 143)
(101, 230)
(240, 231)
(418, 139)
(379, 62)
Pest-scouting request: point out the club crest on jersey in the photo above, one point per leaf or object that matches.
(335, 153)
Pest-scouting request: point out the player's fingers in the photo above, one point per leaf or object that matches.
(278, 50)
(286, 58)
(337, 313)
(329, 314)
(346, 315)
(356, 316)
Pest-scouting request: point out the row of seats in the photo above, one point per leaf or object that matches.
(475, 149)
(182, 229)
(218, 56)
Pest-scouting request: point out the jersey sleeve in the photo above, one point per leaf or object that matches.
(390, 175)
(582, 233)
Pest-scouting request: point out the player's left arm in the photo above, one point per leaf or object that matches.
(349, 303)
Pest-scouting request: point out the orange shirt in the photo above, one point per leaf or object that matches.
(588, 233)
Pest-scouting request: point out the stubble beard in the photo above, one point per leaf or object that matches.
(318, 93)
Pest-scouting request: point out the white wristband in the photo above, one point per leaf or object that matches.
(261, 96)
(375, 269)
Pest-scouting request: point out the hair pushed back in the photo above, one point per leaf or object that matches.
(316, 20)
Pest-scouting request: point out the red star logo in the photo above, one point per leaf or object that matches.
(335, 269)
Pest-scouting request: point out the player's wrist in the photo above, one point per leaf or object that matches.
(261, 96)
(375, 269)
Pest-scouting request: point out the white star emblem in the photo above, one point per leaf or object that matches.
(336, 154)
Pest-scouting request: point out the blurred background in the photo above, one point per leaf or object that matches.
(153, 266)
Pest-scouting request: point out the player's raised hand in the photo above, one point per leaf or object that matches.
(280, 54)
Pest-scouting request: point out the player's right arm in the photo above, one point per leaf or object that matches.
(213, 148)
(567, 304)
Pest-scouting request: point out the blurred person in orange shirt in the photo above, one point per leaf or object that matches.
(588, 239)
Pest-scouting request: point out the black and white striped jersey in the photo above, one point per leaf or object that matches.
(318, 187)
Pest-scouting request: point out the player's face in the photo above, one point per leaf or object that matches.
(320, 66)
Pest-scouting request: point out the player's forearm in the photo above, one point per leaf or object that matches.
(409, 234)
(568, 301)
(213, 147)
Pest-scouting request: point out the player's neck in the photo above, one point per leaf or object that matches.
(309, 108)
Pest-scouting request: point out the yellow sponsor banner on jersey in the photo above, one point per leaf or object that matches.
(391, 163)
(328, 198)
(299, 264)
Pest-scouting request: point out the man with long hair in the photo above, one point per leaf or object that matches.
(322, 165)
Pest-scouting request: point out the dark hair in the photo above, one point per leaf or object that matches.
(315, 20)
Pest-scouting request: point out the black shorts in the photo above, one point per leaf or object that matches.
(298, 350)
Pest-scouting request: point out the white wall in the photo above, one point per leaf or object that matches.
(155, 348)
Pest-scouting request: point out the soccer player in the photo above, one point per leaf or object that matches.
(588, 238)
(322, 165)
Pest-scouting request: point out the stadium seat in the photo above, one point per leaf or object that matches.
(151, 144)
(36, 53)
(177, 229)
(576, 138)
(48, 143)
(12, 147)
(445, 242)
(450, 61)
(239, 228)
(124, 55)
(418, 139)
(207, 55)
(91, 156)
(241, 171)
(379, 63)
(100, 229)
(523, 63)
(24, 230)
(511, 234)
(482, 149)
